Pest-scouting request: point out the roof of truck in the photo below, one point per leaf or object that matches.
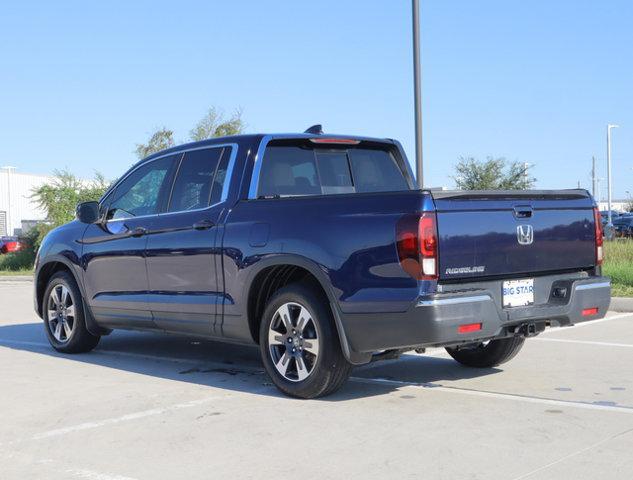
(256, 137)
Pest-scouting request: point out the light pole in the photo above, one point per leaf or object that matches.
(593, 177)
(417, 93)
(609, 219)
(8, 217)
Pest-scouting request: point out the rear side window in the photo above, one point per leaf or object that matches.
(197, 182)
(288, 171)
(334, 170)
(376, 171)
(295, 170)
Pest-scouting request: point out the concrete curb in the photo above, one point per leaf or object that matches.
(16, 278)
(621, 304)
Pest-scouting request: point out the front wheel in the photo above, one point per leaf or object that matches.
(299, 344)
(63, 314)
(489, 354)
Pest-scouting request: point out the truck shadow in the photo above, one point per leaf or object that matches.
(232, 367)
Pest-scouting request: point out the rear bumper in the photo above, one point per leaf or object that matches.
(434, 320)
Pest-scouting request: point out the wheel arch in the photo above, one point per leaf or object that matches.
(281, 270)
(45, 272)
(53, 265)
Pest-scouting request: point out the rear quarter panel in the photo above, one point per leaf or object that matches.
(349, 238)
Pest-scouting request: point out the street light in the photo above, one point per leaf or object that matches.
(8, 218)
(609, 220)
(417, 92)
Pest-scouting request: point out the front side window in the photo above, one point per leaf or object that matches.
(199, 182)
(140, 193)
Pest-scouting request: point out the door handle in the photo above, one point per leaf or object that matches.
(203, 225)
(138, 232)
(523, 211)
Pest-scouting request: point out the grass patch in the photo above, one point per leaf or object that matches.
(618, 264)
(12, 273)
(17, 262)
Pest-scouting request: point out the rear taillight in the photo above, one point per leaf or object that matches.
(599, 236)
(416, 240)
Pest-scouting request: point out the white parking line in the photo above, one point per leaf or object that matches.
(113, 421)
(584, 342)
(92, 475)
(497, 395)
(574, 454)
(124, 418)
(119, 353)
(397, 383)
(589, 323)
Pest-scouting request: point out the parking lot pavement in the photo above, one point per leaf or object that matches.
(149, 406)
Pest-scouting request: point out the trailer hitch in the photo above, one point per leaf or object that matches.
(531, 329)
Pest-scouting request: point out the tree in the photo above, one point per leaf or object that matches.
(60, 198)
(160, 140)
(213, 125)
(492, 174)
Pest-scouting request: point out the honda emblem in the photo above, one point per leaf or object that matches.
(525, 234)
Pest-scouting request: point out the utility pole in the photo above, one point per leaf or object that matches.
(417, 93)
(609, 219)
(598, 180)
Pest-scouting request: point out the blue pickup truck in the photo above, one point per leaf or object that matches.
(321, 250)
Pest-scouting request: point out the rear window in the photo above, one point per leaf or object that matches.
(294, 170)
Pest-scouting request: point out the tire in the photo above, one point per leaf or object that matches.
(71, 336)
(487, 355)
(313, 369)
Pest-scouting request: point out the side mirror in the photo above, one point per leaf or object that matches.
(88, 212)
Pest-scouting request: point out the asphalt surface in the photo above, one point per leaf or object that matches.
(149, 406)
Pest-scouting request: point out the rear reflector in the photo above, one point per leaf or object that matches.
(345, 141)
(590, 311)
(469, 327)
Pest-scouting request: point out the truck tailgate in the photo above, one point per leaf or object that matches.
(510, 233)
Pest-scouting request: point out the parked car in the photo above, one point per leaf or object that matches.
(604, 214)
(321, 250)
(9, 245)
(623, 226)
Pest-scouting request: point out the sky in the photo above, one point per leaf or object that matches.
(81, 83)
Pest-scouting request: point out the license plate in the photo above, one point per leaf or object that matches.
(518, 293)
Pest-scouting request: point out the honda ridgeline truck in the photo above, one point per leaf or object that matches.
(321, 250)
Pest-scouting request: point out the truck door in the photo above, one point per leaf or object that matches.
(183, 261)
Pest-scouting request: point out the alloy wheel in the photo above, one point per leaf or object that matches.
(61, 313)
(293, 342)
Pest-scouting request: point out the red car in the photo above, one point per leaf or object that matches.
(9, 244)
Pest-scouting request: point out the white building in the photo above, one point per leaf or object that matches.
(616, 205)
(16, 204)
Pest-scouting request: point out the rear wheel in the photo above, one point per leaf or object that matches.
(63, 316)
(299, 344)
(488, 354)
